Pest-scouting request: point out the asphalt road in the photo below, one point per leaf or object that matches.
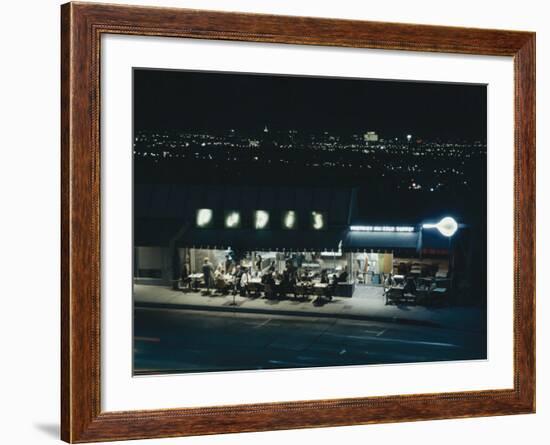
(178, 341)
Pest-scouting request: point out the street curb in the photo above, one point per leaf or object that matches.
(237, 309)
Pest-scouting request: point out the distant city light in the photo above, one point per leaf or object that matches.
(382, 228)
(438, 164)
(370, 136)
(318, 220)
(447, 226)
(261, 219)
(232, 220)
(289, 219)
(204, 217)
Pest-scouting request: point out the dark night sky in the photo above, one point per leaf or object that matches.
(187, 100)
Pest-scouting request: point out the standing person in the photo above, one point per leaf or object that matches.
(410, 287)
(184, 276)
(258, 264)
(207, 274)
(227, 264)
(289, 280)
(334, 284)
(269, 285)
(245, 278)
(237, 279)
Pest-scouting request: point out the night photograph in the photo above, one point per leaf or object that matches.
(299, 222)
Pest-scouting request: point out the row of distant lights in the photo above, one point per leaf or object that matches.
(232, 219)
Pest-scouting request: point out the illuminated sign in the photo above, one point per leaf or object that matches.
(381, 228)
(261, 219)
(318, 220)
(290, 219)
(232, 219)
(205, 218)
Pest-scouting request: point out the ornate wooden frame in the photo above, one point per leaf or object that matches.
(82, 25)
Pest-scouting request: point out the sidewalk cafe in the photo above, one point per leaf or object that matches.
(276, 243)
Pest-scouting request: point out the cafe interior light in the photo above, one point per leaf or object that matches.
(318, 220)
(289, 219)
(204, 217)
(261, 219)
(447, 226)
(232, 220)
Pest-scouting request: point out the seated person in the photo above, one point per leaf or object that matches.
(410, 287)
(334, 283)
(389, 281)
(343, 278)
(269, 285)
(219, 282)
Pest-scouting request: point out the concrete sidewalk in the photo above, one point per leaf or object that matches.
(367, 304)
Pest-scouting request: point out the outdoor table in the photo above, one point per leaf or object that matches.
(320, 288)
(394, 293)
(304, 289)
(438, 295)
(255, 285)
(196, 278)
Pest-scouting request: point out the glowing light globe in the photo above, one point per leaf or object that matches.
(447, 226)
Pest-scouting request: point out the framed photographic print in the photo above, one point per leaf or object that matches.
(275, 222)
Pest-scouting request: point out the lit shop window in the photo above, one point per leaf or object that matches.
(318, 220)
(290, 219)
(261, 219)
(204, 218)
(232, 219)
